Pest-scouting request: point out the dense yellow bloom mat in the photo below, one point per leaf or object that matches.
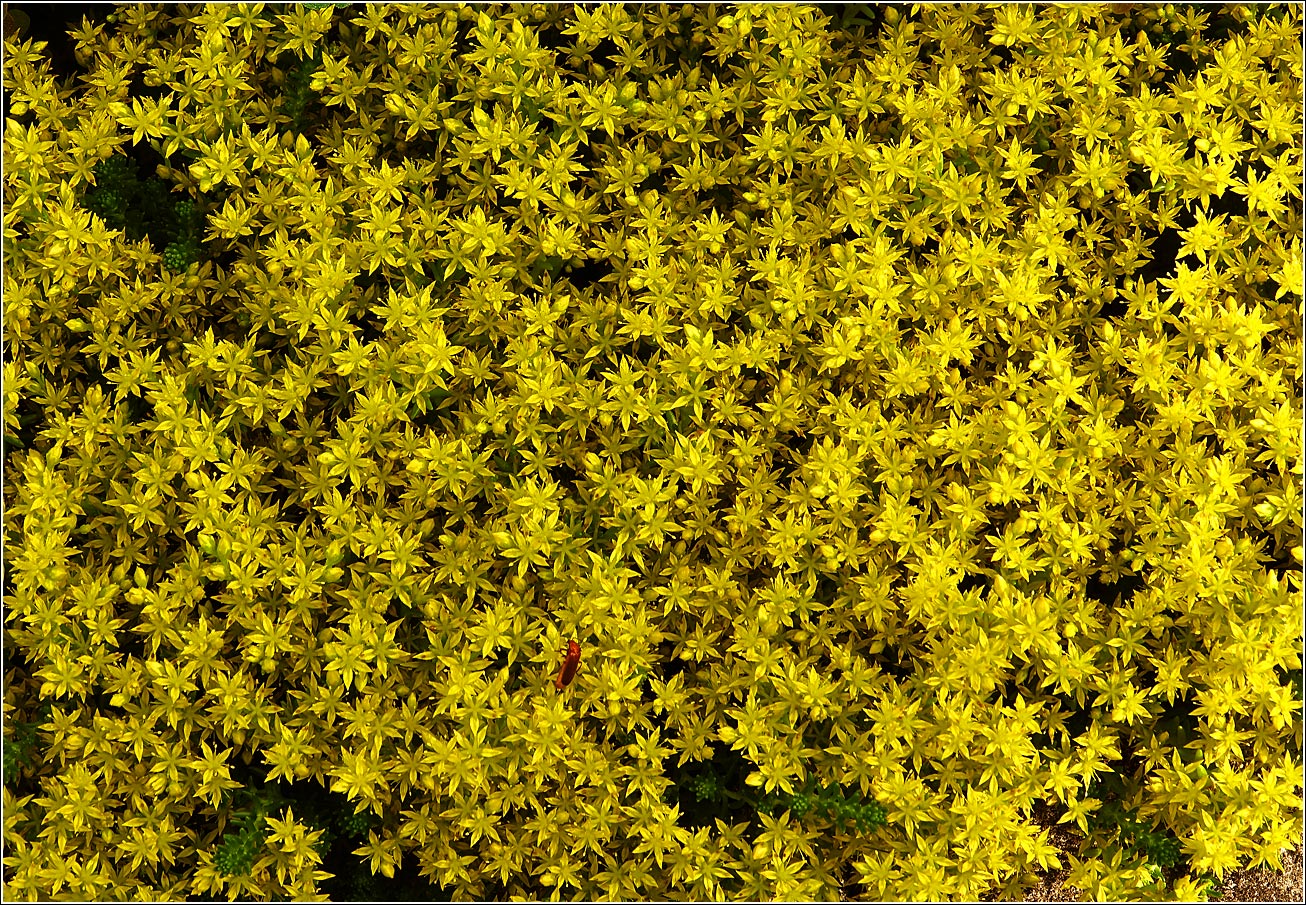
(645, 452)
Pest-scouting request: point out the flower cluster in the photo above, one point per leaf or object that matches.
(902, 400)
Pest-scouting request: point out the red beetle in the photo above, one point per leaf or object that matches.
(570, 663)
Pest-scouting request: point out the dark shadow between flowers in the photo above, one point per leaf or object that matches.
(1113, 593)
(50, 22)
(712, 789)
(343, 831)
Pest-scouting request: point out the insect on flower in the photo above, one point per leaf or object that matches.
(569, 665)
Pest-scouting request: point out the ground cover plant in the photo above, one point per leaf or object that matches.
(897, 407)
